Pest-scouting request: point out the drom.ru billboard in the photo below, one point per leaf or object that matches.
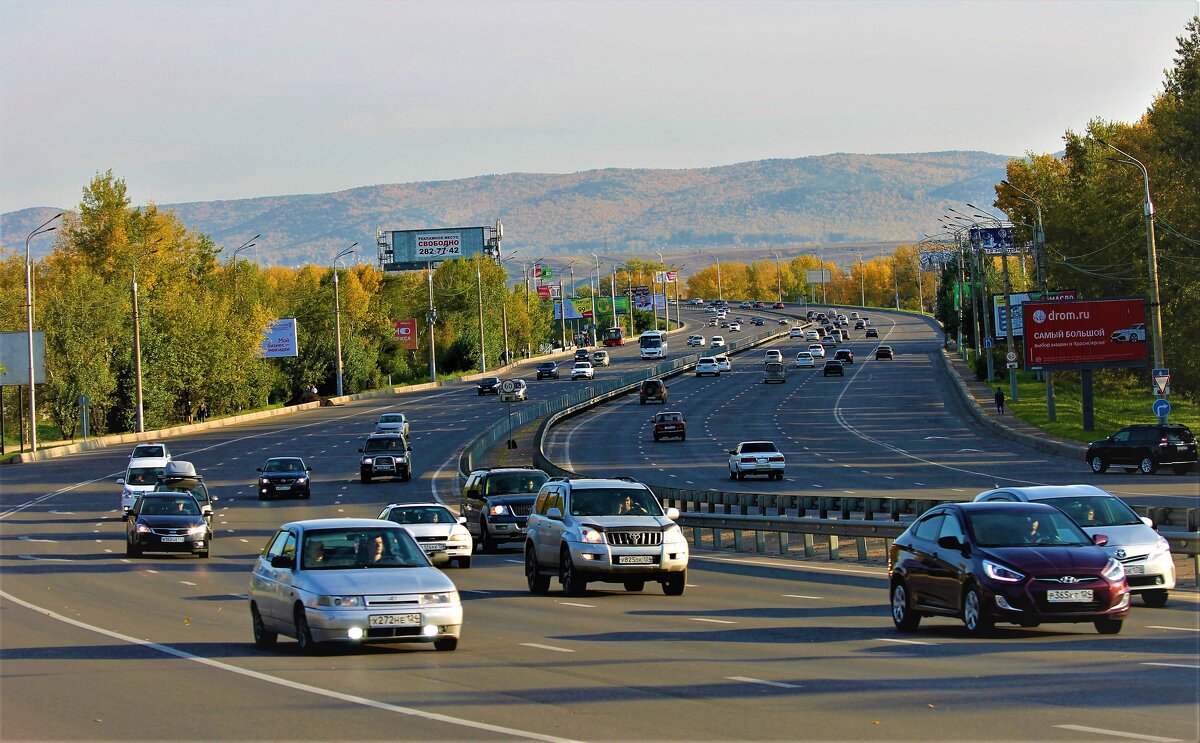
(1085, 333)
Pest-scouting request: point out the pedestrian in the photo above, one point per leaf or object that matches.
(999, 401)
(203, 412)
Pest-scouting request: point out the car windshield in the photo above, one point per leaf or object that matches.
(143, 475)
(614, 502)
(169, 507)
(421, 515)
(514, 482)
(1095, 510)
(390, 443)
(490, 381)
(757, 447)
(283, 465)
(391, 418)
(340, 549)
(1025, 529)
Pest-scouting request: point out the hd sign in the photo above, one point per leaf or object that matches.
(1085, 334)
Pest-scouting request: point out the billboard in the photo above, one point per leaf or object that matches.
(406, 333)
(1085, 333)
(14, 357)
(993, 240)
(937, 260)
(580, 308)
(543, 291)
(643, 302)
(819, 276)
(413, 249)
(279, 339)
(1000, 317)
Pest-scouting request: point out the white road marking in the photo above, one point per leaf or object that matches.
(473, 590)
(1116, 733)
(35, 539)
(519, 562)
(749, 680)
(153, 572)
(350, 698)
(187, 583)
(799, 596)
(1177, 629)
(582, 606)
(42, 559)
(546, 647)
(244, 541)
(903, 642)
(713, 621)
(1173, 665)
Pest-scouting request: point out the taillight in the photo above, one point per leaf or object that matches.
(776, 459)
(748, 460)
(1164, 441)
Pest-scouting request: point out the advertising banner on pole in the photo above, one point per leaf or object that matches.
(1085, 333)
(14, 357)
(993, 240)
(604, 307)
(406, 333)
(279, 339)
(1000, 317)
(412, 249)
(819, 276)
(543, 291)
(647, 303)
(936, 260)
(672, 276)
(580, 308)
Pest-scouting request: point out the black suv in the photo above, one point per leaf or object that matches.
(496, 502)
(1145, 447)
(385, 455)
(547, 369)
(844, 355)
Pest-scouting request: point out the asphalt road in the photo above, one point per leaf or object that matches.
(97, 646)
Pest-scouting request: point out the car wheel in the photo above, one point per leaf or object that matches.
(978, 623)
(741, 475)
(635, 585)
(1155, 598)
(732, 475)
(1148, 465)
(306, 495)
(304, 635)
(446, 643)
(684, 438)
(538, 583)
(572, 583)
(1182, 469)
(905, 619)
(674, 583)
(656, 439)
(1108, 626)
(1098, 464)
(264, 639)
(486, 543)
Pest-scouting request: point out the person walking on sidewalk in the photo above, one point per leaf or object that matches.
(999, 401)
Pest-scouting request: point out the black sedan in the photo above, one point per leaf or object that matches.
(1022, 563)
(844, 355)
(167, 522)
(833, 367)
(284, 476)
(488, 386)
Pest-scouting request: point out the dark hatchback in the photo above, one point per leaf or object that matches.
(844, 355)
(284, 477)
(547, 369)
(167, 522)
(488, 386)
(1145, 448)
(1021, 563)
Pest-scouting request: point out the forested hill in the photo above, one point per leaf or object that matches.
(826, 199)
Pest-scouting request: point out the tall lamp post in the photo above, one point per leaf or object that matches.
(233, 261)
(137, 339)
(1010, 345)
(595, 291)
(42, 229)
(337, 312)
(1039, 245)
(654, 297)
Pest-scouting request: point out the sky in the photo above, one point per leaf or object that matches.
(209, 100)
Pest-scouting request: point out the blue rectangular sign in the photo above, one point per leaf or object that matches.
(411, 248)
(993, 240)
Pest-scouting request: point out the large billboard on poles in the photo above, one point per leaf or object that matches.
(1000, 317)
(580, 308)
(1085, 333)
(414, 249)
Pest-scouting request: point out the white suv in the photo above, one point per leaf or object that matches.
(609, 531)
(696, 340)
(141, 477)
(583, 370)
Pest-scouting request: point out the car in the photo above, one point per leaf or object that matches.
(496, 502)
(1132, 540)
(181, 477)
(284, 476)
(773, 354)
(696, 301)
(854, 316)
(547, 370)
(809, 335)
(872, 333)
(712, 323)
(351, 581)
(817, 350)
(758, 322)
(488, 386)
(867, 320)
(746, 305)
(385, 455)
(652, 390)
(735, 326)
(778, 305)
(759, 305)
(600, 357)
(141, 475)
(860, 325)
(583, 370)
(832, 367)
(514, 390)
(435, 528)
(843, 319)
(783, 321)
(725, 326)
(774, 371)
(1145, 448)
(167, 522)
(150, 451)
(585, 530)
(718, 341)
(883, 352)
(844, 335)
(723, 362)
(1020, 563)
(707, 365)
(670, 424)
(392, 423)
(1133, 334)
(829, 340)
(756, 458)
(804, 359)
(799, 332)
(810, 315)
(844, 355)
(696, 340)
(582, 354)
(710, 308)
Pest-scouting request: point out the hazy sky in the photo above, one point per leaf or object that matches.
(203, 100)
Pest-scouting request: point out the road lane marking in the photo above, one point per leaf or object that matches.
(713, 621)
(584, 606)
(187, 583)
(1117, 733)
(350, 698)
(1172, 665)
(799, 596)
(519, 562)
(749, 680)
(27, 538)
(1177, 629)
(903, 642)
(546, 647)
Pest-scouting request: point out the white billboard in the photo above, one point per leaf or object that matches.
(14, 357)
(819, 276)
(279, 339)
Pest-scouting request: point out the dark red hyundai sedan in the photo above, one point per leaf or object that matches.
(1021, 563)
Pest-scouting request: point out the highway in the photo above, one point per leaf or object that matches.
(98, 646)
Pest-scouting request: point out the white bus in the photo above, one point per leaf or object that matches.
(653, 344)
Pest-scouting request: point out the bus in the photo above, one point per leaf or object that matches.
(653, 344)
(614, 337)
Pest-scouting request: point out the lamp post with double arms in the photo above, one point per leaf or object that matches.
(595, 315)
(42, 229)
(244, 246)
(1039, 245)
(1010, 345)
(337, 313)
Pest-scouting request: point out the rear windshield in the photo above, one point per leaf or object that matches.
(1180, 436)
(669, 418)
(1015, 529)
(514, 482)
(614, 502)
(755, 447)
(651, 386)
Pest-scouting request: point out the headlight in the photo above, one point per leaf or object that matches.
(264, 481)
(1160, 547)
(368, 460)
(673, 535)
(995, 571)
(340, 602)
(439, 599)
(498, 510)
(143, 529)
(197, 530)
(1113, 571)
(459, 536)
(590, 536)
(301, 480)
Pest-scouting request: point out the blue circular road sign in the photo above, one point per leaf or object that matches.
(1161, 407)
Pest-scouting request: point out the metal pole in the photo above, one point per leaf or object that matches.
(595, 315)
(720, 291)
(479, 292)
(1008, 339)
(137, 356)
(41, 230)
(612, 289)
(654, 296)
(862, 281)
(337, 314)
(431, 318)
(895, 282)
(1039, 244)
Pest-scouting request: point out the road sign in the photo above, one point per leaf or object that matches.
(1012, 365)
(507, 386)
(1011, 356)
(989, 343)
(1162, 380)
(1161, 407)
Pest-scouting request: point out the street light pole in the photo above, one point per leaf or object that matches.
(654, 296)
(41, 230)
(595, 291)
(1039, 245)
(139, 411)
(233, 261)
(862, 280)
(479, 295)
(1010, 345)
(337, 313)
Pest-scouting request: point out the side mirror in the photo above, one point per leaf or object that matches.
(1100, 539)
(120, 480)
(1148, 521)
(441, 557)
(282, 562)
(258, 469)
(360, 451)
(733, 451)
(554, 514)
(308, 469)
(950, 543)
(462, 519)
(673, 513)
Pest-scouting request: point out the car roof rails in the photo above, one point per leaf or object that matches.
(624, 478)
(559, 479)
